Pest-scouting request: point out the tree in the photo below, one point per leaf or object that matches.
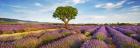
(65, 14)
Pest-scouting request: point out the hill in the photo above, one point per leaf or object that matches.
(7, 20)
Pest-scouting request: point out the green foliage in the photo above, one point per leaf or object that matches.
(65, 13)
(100, 37)
(29, 42)
(49, 37)
(65, 33)
(8, 32)
(128, 34)
(87, 33)
(131, 46)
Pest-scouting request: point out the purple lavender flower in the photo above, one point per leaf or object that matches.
(72, 41)
(123, 41)
(94, 44)
(101, 34)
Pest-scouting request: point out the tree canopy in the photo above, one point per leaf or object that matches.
(65, 13)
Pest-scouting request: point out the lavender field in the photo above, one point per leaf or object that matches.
(69, 23)
(79, 36)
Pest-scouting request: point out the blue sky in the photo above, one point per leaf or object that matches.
(89, 11)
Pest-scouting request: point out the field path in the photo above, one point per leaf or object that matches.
(24, 33)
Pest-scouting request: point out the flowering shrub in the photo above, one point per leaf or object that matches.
(94, 44)
(51, 36)
(72, 41)
(7, 45)
(101, 34)
(123, 41)
(28, 42)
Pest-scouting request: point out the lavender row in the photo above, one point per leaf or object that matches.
(131, 31)
(33, 42)
(84, 28)
(130, 27)
(101, 34)
(7, 45)
(92, 30)
(94, 44)
(72, 41)
(46, 37)
(16, 28)
(121, 40)
(126, 31)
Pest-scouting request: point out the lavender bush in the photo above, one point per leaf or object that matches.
(101, 34)
(72, 41)
(123, 41)
(94, 44)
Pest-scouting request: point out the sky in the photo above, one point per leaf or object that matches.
(89, 11)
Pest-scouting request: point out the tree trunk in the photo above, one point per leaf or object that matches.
(66, 25)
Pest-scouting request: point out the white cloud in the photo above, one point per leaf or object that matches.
(38, 4)
(111, 5)
(99, 5)
(44, 13)
(135, 7)
(17, 6)
(79, 1)
(114, 18)
(87, 19)
(131, 2)
(134, 13)
(134, 10)
(75, 2)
